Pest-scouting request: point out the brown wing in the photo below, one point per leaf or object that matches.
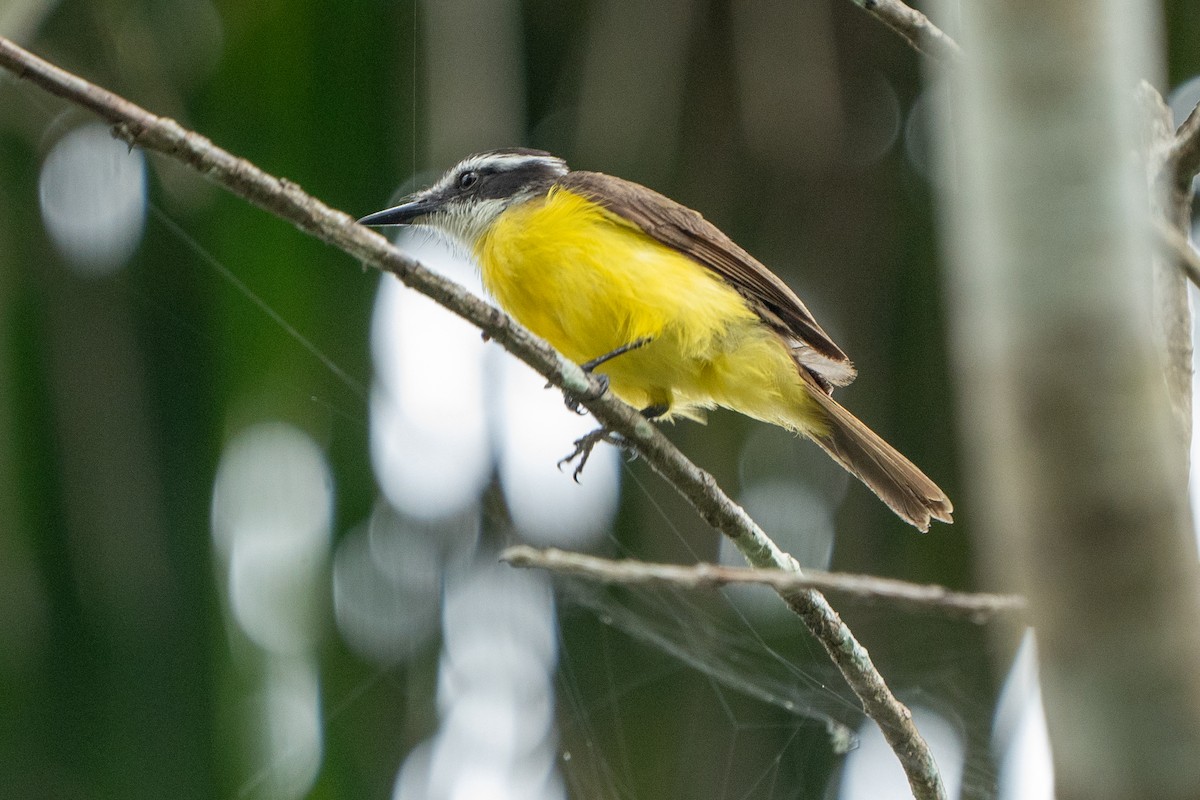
(685, 230)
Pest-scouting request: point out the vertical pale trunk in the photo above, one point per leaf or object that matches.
(1077, 462)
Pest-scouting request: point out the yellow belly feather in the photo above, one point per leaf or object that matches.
(589, 282)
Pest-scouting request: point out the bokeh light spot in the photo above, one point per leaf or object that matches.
(429, 439)
(535, 431)
(272, 512)
(92, 192)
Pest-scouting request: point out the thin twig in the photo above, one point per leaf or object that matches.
(1185, 150)
(1179, 249)
(288, 201)
(915, 27)
(977, 608)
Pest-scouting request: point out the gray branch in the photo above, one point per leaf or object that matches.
(1185, 151)
(914, 27)
(978, 608)
(288, 201)
(1176, 247)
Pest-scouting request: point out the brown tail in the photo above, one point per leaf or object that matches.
(876, 463)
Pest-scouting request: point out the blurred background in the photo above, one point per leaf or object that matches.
(251, 495)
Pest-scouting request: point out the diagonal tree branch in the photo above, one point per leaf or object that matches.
(285, 199)
(915, 27)
(978, 608)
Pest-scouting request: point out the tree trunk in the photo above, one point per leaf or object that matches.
(1077, 465)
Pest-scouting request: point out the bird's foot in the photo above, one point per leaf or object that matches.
(584, 446)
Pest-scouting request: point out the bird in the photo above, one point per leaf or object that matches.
(667, 310)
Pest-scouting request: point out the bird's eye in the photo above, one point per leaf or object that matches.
(467, 180)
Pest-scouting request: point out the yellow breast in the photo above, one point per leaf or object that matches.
(589, 282)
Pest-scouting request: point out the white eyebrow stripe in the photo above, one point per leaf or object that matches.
(505, 162)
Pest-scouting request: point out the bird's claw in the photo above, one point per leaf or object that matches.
(584, 446)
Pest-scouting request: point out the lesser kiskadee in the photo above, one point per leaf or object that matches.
(645, 291)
